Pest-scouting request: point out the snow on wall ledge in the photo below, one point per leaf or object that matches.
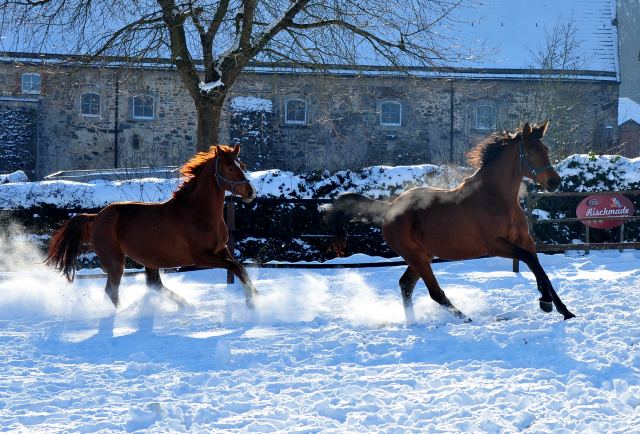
(251, 104)
(579, 172)
(18, 176)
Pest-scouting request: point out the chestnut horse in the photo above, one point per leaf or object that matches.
(188, 229)
(481, 217)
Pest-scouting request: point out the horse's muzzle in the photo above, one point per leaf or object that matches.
(252, 194)
(553, 184)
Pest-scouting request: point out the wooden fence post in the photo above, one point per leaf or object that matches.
(231, 242)
(586, 240)
(621, 236)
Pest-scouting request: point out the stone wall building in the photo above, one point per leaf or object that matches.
(98, 118)
(113, 117)
(357, 121)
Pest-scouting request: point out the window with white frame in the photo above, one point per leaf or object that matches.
(142, 107)
(391, 113)
(31, 83)
(486, 117)
(295, 112)
(90, 104)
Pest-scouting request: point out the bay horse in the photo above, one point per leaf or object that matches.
(481, 217)
(188, 229)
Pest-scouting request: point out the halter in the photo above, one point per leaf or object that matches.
(233, 183)
(534, 172)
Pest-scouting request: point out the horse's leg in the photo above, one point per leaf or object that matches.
(407, 284)
(526, 254)
(112, 260)
(223, 259)
(113, 283)
(154, 282)
(240, 271)
(423, 268)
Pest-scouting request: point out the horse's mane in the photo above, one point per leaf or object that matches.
(490, 148)
(192, 168)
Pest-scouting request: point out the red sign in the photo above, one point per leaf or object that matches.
(595, 208)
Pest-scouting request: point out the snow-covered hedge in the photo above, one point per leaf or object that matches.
(599, 173)
(381, 182)
(377, 181)
(588, 173)
(579, 172)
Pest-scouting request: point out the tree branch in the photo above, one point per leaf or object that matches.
(285, 20)
(123, 31)
(357, 30)
(249, 10)
(29, 3)
(214, 26)
(207, 36)
(174, 21)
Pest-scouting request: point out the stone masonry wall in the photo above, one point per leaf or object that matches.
(342, 128)
(343, 121)
(69, 140)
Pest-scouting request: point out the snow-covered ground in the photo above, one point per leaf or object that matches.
(326, 351)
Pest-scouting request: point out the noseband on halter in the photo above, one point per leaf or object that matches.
(534, 172)
(232, 183)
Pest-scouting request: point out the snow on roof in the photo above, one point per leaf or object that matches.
(512, 29)
(628, 109)
(516, 28)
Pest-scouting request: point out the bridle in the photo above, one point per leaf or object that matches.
(232, 183)
(534, 172)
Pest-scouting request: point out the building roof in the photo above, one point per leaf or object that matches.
(514, 31)
(517, 28)
(628, 109)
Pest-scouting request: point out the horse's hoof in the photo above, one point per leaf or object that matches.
(410, 316)
(251, 304)
(465, 319)
(546, 306)
(568, 315)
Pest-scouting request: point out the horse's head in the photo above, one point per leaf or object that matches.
(230, 173)
(534, 158)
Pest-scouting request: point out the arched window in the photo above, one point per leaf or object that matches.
(31, 83)
(90, 104)
(391, 113)
(486, 117)
(295, 112)
(142, 107)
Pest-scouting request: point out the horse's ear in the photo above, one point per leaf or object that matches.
(543, 128)
(218, 149)
(526, 131)
(236, 150)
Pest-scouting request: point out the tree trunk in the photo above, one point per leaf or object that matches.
(208, 132)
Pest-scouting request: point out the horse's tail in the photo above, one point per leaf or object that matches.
(67, 244)
(352, 207)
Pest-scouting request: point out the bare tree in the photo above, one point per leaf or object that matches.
(555, 91)
(226, 35)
